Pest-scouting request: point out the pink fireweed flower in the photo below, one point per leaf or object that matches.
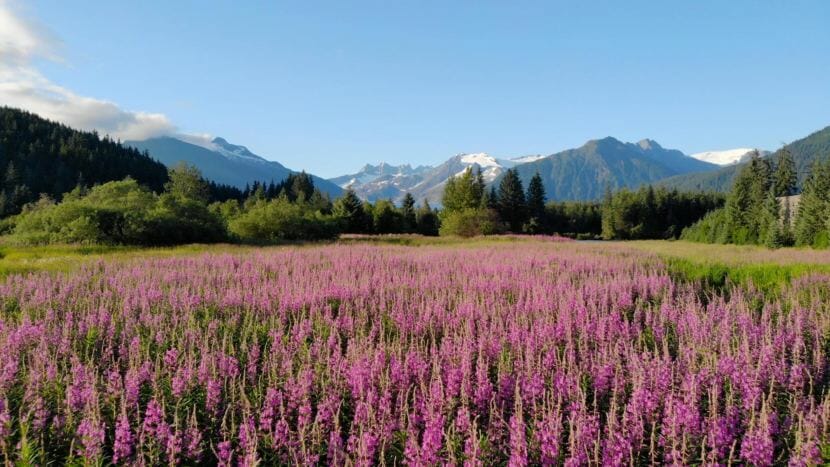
(124, 440)
(90, 435)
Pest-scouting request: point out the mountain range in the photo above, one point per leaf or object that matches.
(221, 161)
(575, 174)
(581, 173)
(385, 181)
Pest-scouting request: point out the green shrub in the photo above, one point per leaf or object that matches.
(118, 213)
(280, 220)
(470, 222)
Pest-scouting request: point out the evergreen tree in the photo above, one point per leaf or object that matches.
(770, 234)
(349, 208)
(463, 192)
(811, 220)
(12, 176)
(186, 182)
(785, 174)
(744, 205)
(301, 186)
(536, 204)
(408, 213)
(427, 220)
(607, 210)
(479, 187)
(492, 200)
(511, 201)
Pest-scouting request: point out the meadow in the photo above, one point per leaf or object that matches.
(392, 350)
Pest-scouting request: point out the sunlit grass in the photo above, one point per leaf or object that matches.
(719, 265)
(63, 258)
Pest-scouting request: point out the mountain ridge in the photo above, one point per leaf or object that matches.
(582, 174)
(221, 161)
(805, 151)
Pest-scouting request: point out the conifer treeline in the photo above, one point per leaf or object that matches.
(39, 156)
(756, 211)
(470, 209)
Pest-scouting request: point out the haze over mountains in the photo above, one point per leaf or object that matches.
(222, 161)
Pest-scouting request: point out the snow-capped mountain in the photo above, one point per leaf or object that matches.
(580, 173)
(727, 157)
(384, 181)
(221, 161)
(370, 173)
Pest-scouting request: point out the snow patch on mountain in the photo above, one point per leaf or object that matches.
(727, 157)
(526, 159)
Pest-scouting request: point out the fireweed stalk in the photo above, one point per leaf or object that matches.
(522, 353)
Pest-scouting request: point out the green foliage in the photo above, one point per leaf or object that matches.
(118, 213)
(386, 218)
(574, 218)
(811, 221)
(470, 222)
(277, 220)
(510, 201)
(786, 177)
(38, 156)
(718, 277)
(427, 220)
(712, 228)
(753, 213)
(408, 214)
(745, 203)
(463, 192)
(349, 210)
(653, 213)
(536, 215)
(186, 183)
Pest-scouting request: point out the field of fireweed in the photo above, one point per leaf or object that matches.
(517, 353)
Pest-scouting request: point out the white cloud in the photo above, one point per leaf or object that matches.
(22, 85)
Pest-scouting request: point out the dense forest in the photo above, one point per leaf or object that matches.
(471, 209)
(38, 156)
(756, 214)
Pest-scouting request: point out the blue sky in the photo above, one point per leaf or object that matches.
(329, 86)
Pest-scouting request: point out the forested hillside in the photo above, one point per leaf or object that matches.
(805, 151)
(40, 156)
(585, 172)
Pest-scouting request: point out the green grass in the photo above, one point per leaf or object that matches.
(719, 266)
(62, 258)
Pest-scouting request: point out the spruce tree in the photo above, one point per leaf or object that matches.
(607, 214)
(492, 199)
(349, 208)
(744, 205)
(462, 192)
(427, 220)
(408, 213)
(479, 187)
(770, 222)
(811, 219)
(536, 204)
(301, 186)
(511, 201)
(785, 174)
